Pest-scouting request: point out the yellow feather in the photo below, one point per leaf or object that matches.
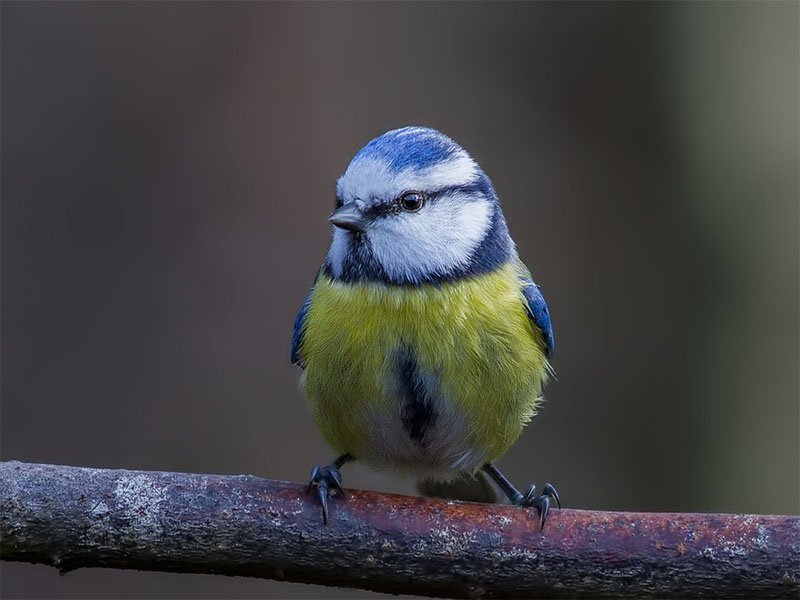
(473, 335)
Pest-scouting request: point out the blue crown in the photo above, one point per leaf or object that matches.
(416, 147)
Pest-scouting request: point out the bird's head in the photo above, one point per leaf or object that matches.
(413, 207)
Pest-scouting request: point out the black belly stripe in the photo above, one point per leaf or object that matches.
(418, 413)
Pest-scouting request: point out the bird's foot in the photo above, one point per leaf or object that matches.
(541, 502)
(328, 480)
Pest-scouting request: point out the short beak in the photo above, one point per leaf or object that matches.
(349, 217)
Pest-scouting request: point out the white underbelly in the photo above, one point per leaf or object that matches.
(445, 448)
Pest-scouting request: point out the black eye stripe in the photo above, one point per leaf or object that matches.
(393, 206)
(383, 209)
(469, 188)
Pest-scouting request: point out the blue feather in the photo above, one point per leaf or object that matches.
(536, 308)
(299, 330)
(417, 147)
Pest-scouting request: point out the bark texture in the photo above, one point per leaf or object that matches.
(74, 517)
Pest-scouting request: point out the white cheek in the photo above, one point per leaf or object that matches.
(440, 237)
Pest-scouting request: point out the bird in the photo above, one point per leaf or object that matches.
(424, 343)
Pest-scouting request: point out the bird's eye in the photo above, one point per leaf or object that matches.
(412, 201)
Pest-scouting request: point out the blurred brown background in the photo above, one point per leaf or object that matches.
(168, 170)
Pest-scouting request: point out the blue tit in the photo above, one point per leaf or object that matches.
(424, 342)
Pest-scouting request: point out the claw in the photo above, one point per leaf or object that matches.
(328, 480)
(549, 490)
(529, 497)
(542, 504)
(322, 492)
(314, 477)
(336, 480)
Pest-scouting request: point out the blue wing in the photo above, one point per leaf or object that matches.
(536, 308)
(299, 329)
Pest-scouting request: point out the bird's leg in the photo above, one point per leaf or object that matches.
(541, 502)
(328, 479)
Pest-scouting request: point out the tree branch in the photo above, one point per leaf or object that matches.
(73, 517)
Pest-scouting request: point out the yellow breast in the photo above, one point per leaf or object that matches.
(471, 338)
